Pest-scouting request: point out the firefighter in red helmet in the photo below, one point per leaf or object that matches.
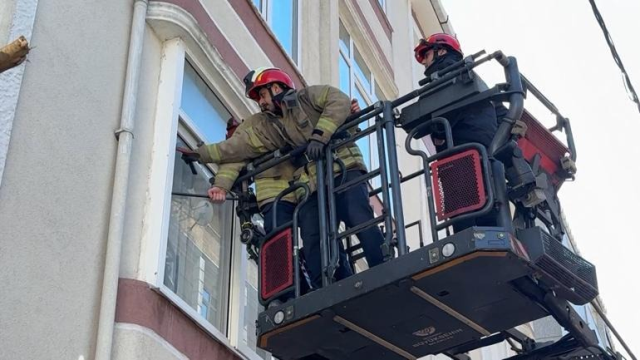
(309, 116)
(475, 123)
(232, 125)
(431, 50)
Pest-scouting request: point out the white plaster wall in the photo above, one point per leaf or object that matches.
(141, 156)
(16, 19)
(319, 45)
(136, 342)
(399, 13)
(426, 16)
(56, 188)
(7, 8)
(230, 24)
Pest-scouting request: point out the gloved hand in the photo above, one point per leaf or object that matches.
(188, 155)
(315, 150)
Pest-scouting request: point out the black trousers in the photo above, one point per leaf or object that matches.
(284, 214)
(352, 208)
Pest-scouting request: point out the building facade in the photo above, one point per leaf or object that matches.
(99, 259)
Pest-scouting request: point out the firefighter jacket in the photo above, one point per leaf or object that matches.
(315, 112)
(269, 184)
(475, 123)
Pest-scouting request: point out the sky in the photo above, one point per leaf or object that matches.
(561, 49)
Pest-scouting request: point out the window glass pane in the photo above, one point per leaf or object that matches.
(344, 40)
(258, 4)
(595, 326)
(361, 69)
(359, 88)
(199, 234)
(581, 310)
(251, 308)
(282, 22)
(375, 162)
(205, 300)
(363, 143)
(203, 107)
(345, 78)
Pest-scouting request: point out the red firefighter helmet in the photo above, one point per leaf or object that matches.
(260, 77)
(440, 39)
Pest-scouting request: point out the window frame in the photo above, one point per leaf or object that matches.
(172, 122)
(356, 83)
(239, 315)
(188, 131)
(266, 11)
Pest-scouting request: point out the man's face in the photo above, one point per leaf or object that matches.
(430, 55)
(266, 102)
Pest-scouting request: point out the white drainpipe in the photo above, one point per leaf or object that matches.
(106, 321)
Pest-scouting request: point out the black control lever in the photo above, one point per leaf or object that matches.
(204, 196)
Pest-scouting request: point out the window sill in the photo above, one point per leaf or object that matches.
(242, 352)
(194, 316)
(163, 312)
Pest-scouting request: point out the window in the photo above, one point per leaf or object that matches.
(197, 266)
(201, 108)
(282, 17)
(251, 308)
(205, 299)
(383, 5)
(357, 81)
(596, 324)
(193, 251)
(200, 267)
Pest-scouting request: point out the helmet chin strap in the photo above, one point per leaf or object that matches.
(436, 60)
(271, 92)
(436, 53)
